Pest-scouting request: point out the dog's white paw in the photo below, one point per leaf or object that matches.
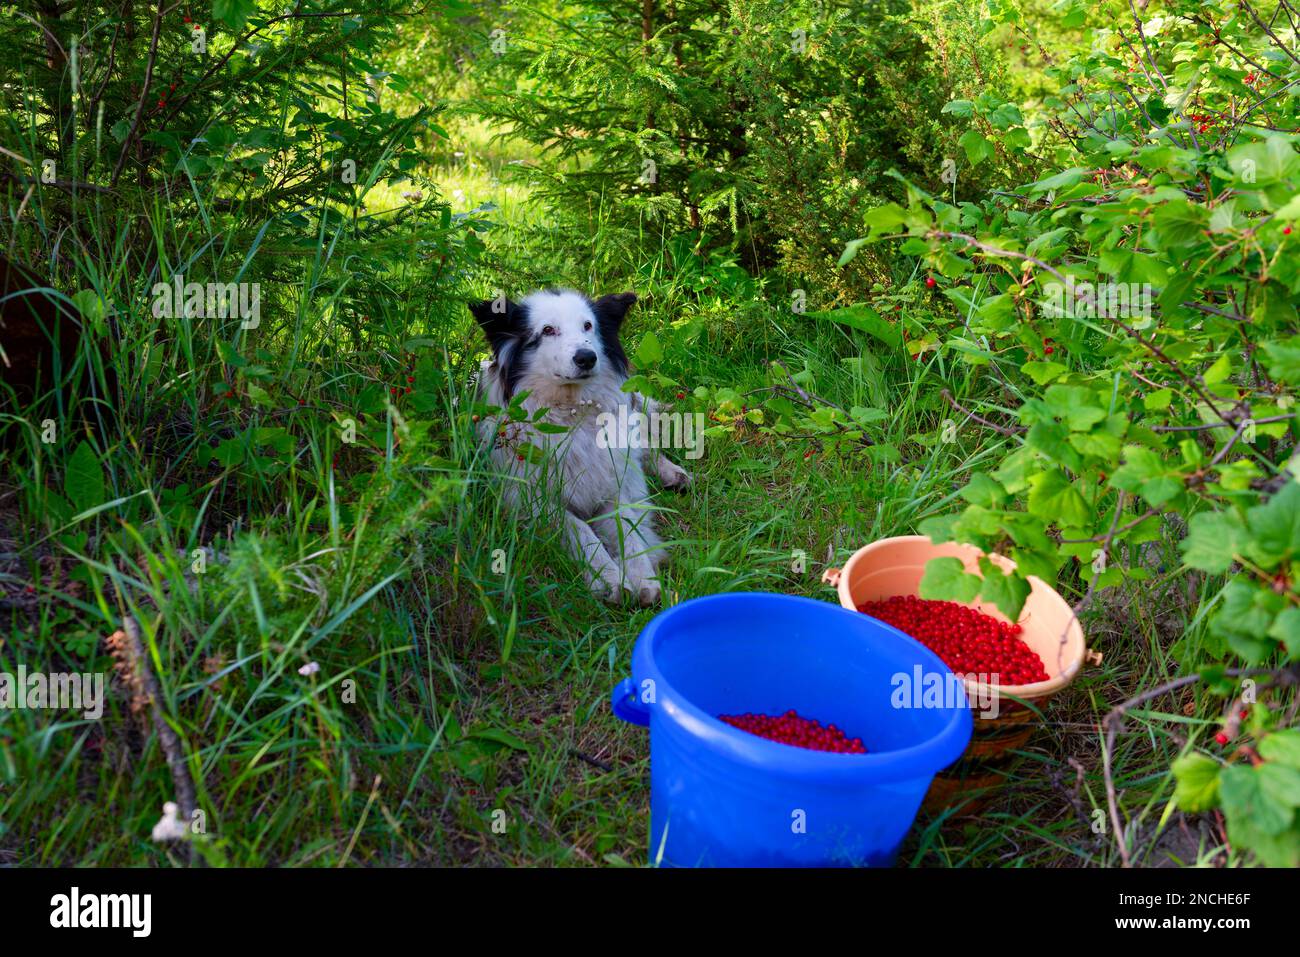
(647, 592)
(607, 586)
(673, 476)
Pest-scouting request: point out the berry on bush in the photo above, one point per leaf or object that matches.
(790, 728)
(968, 641)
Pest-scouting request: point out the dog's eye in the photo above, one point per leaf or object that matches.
(586, 327)
(548, 330)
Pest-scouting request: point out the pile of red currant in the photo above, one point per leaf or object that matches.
(968, 641)
(791, 728)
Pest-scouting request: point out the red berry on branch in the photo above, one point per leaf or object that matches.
(929, 281)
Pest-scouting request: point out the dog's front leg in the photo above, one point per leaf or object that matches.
(672, 476)
(603, 574)
(629, 534)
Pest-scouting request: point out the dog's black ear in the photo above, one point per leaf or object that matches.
(612, 308)
(610, 311)
(499, 319)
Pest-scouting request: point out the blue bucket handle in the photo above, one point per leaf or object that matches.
(626, 706)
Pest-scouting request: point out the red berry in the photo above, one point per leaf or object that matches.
(230, 394)
(967, 640)
(520, 456)
(929, 282)
(681, 395)
(410, 378)
(799, 732)
(1221, 737)
(1049, 350)
(1286, 230)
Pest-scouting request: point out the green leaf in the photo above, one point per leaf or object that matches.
(1007, 591)
(1275, 526)
(231, 452)
(1213, 541)
(977, 148)
(1043, 372)
(1286, 629)
(946, 579)
(83, 479)
(1062, 180)
(1197, 778)
(1054, 499)
(1145, 473)
(865, 319)
(1282, 747)
(1280, 782)
(1075, 405)
(648, 351)
(233, 13)
(1282, 359)
(984, 490)
(1244, 618)
(1158, 400)
(882, 220)
(1244, 798)
(499, 736)
(1263, 163)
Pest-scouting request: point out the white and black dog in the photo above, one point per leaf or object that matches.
(562, 349)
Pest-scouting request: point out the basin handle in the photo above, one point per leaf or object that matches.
(831, 577)
(626, 706)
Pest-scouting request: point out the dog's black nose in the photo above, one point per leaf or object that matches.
(584, 359)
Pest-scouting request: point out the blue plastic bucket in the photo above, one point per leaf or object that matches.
(722, 797)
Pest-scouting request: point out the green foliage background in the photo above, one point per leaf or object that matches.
(859, 232)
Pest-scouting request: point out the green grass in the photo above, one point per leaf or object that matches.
(464, 669)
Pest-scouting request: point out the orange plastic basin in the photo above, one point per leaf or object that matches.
(894, 566)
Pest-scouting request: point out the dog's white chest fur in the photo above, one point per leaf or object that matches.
(589, 474)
